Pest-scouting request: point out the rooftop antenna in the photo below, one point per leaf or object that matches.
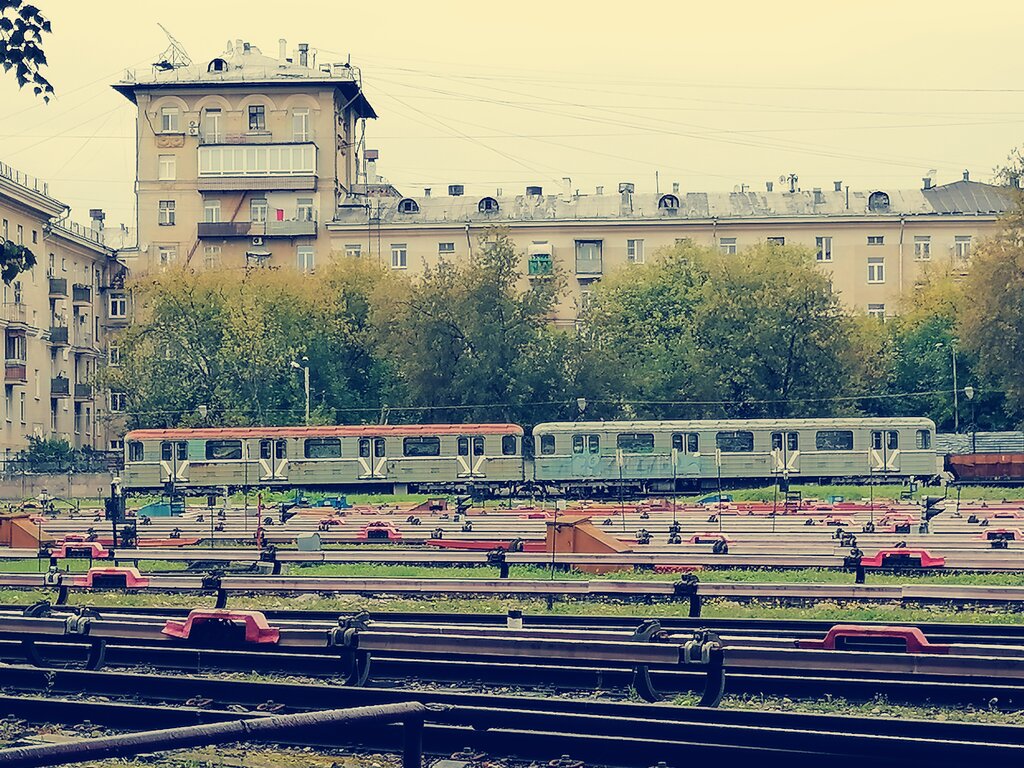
(175, 56)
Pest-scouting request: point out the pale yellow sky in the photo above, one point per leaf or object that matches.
(502, 95)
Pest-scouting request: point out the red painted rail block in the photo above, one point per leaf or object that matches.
(380, 529)
(1013, 534)
(257, 629)
(900, 556)
(484, 545)
(912, 637)
(708, 538)
(132, 578)
(71, 548)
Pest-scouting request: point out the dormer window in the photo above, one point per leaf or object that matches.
(668, 202)
(488, 205)
(217, 65)
(878, 202)
(408, 205)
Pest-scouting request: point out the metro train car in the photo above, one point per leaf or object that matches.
(667, 455)
(391, 457)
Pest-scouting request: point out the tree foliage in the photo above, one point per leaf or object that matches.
(22, 27)
(14, 259)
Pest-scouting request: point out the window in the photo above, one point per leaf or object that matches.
(594, 443)
(304, 209)
(508, 445)
(15, 347)
(21, 235)
(892, 440)
(877, 311)
(168, 168)
(35, 236)
(117, 402)
(354, 249)
(589, 257)
(586, 443)
(113, 445)
(445, 249)
(478, 445)
(776, 241)
(257, 117)
(166, 254)
(300, 124)
(876, 270)
(211, 211)
(211, 256)
(170, 120)
(962, 247)
(211, 126)
(488, 205)
(223, 450)
(322, 448)
(923, 440)
(118, 305)
(834, 440)
(136, 451)
(669, 202)
(421, 446)
(408, 205)
(878, 202)
(922, 247)
(257, 160)
(577, 443)
(727, 245)
(739, 441)
(547, 445)
(399, 256)
(306, 258)
(165, 216)
(635, 442)
(114, 353)
(824, 248)
(635, 251)
(876, 240)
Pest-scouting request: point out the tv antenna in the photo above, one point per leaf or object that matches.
(174, 57)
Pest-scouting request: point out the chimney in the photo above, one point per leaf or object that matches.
(247, 47)
(769, 186)
(967, 175)
(97, 215)
(818, 198)
(426, 191)
(566, 186)
(497, 192)
(282, 49)
(600, 190)
(303, 54)
(238, 45)
(926, 182)
(675, 187)
(456, 190)
(626, 198)
(370, 158)
(838, 186)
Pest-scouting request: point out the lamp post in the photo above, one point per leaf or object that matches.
(969, 394)
(304, 367)
(956, 397)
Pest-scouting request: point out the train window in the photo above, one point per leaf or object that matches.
(776, 441)
(223, 450)
(422, 446)
(924, 439)
(547, 445)
(265, 449)
(463, 446)
(594, 443)
(677, 441)
(739, 441)
(182, 450)
(508, 445)
(834, 440)
(364, 447)
(165, 452)
(635, 442)
(322, 448)
(281, 449)
(136, 452)
(892, 441)
(379, 446)
(792, 441)
(692, 442)
(577, 443)
(478, 446)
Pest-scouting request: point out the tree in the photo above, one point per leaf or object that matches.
(51, 454)
(22, 27)
(14, 259)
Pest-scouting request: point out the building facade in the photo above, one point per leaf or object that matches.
(874, 244)
(241, 160)
(59, 322)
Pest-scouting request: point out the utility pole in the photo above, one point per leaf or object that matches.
(304, 367)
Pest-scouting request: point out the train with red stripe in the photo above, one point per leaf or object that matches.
(563, 457)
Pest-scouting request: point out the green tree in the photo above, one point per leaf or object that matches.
(50, 454)
(14, 259)
(22, 27)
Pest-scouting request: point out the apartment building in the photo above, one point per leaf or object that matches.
(874, 244)
(243, 157)
(59, 320)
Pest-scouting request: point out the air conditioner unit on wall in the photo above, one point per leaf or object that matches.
(193, 128)
(257, 241)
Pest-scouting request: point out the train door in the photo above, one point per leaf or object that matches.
(885, 451)
(586, 455)
(785, 453)
(174, 461)
(686, 454)
(273, 461)
(471, 456)
(373, 462)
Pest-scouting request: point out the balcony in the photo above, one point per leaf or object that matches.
(81, 294)
(59, 335)
(14, 314)
(58, 288)
(261, 166)
(16, 372)
(60, 387)
(82, 340)
(274, 228)
(83, 391)
(224, 228)
(291, 228)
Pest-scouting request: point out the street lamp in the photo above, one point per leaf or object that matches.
(956, 399)
(581, 406)
(969, 393)
(304, 367)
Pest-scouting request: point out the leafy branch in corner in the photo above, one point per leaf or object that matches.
(14, 259)
(21, 36)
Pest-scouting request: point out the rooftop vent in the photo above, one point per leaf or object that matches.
(456, 190)
(304, 54)
(967, 175)
(535, 191)
(926, 182)
(838, 185)
(769, 186)
(626, 188)
(426, 191)
(675, 187)
(600, 190)
(818, 197)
